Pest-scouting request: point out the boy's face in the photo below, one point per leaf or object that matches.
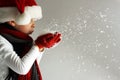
(27, 29)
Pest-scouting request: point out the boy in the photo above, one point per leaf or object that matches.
(20, 54)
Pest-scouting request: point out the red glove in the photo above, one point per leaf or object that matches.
(48, 40)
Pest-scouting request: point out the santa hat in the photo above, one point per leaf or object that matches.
(21, 11)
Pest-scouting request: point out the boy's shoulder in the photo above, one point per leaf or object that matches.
(4, 41)
(2, 38)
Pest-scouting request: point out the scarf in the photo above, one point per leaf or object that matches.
(22, 43)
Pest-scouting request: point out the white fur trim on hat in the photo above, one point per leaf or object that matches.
(22, 19)
(35, 11)
(11, 13)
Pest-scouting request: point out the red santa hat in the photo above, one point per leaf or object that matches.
(20, 11)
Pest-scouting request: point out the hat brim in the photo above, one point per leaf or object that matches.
(11, 13)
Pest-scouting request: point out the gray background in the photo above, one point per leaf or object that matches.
(90, 47)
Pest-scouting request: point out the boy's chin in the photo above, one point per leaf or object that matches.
(30, 32)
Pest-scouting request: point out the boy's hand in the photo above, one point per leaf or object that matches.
(48, 40)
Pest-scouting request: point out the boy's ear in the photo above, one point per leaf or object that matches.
(12, 23)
